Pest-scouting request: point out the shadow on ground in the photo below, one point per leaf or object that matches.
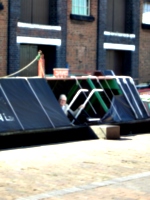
(48, 137)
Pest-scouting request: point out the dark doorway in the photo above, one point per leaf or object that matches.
(50, 57)
(119, 62)
(35, 11)
(29, 52)
(39, 12)
(116, 15)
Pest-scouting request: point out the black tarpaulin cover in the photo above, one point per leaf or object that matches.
(29, 104)
(120, 111)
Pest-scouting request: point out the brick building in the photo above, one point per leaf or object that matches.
(82, 39)
(3, 37)
(36, 25)
(107, 38)
(88, 35)
(144, 49)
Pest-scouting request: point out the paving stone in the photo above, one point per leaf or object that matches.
(92, 169)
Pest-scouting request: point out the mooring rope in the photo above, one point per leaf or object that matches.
(35, 59)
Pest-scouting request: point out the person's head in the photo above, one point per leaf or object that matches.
(62, 99)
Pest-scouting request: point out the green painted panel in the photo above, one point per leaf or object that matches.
(111, 84)
(97, 94)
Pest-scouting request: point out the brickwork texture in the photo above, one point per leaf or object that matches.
(3, 38)
(82, 41)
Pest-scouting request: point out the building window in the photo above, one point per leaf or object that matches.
(146, 12)
(81, 7)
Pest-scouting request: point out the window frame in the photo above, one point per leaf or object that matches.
(81, 7)
(145, 14)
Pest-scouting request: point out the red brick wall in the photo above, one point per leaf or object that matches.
(3, 38)
(81, 41)
(144, 52)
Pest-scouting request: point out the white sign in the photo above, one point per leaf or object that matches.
(3, 118)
